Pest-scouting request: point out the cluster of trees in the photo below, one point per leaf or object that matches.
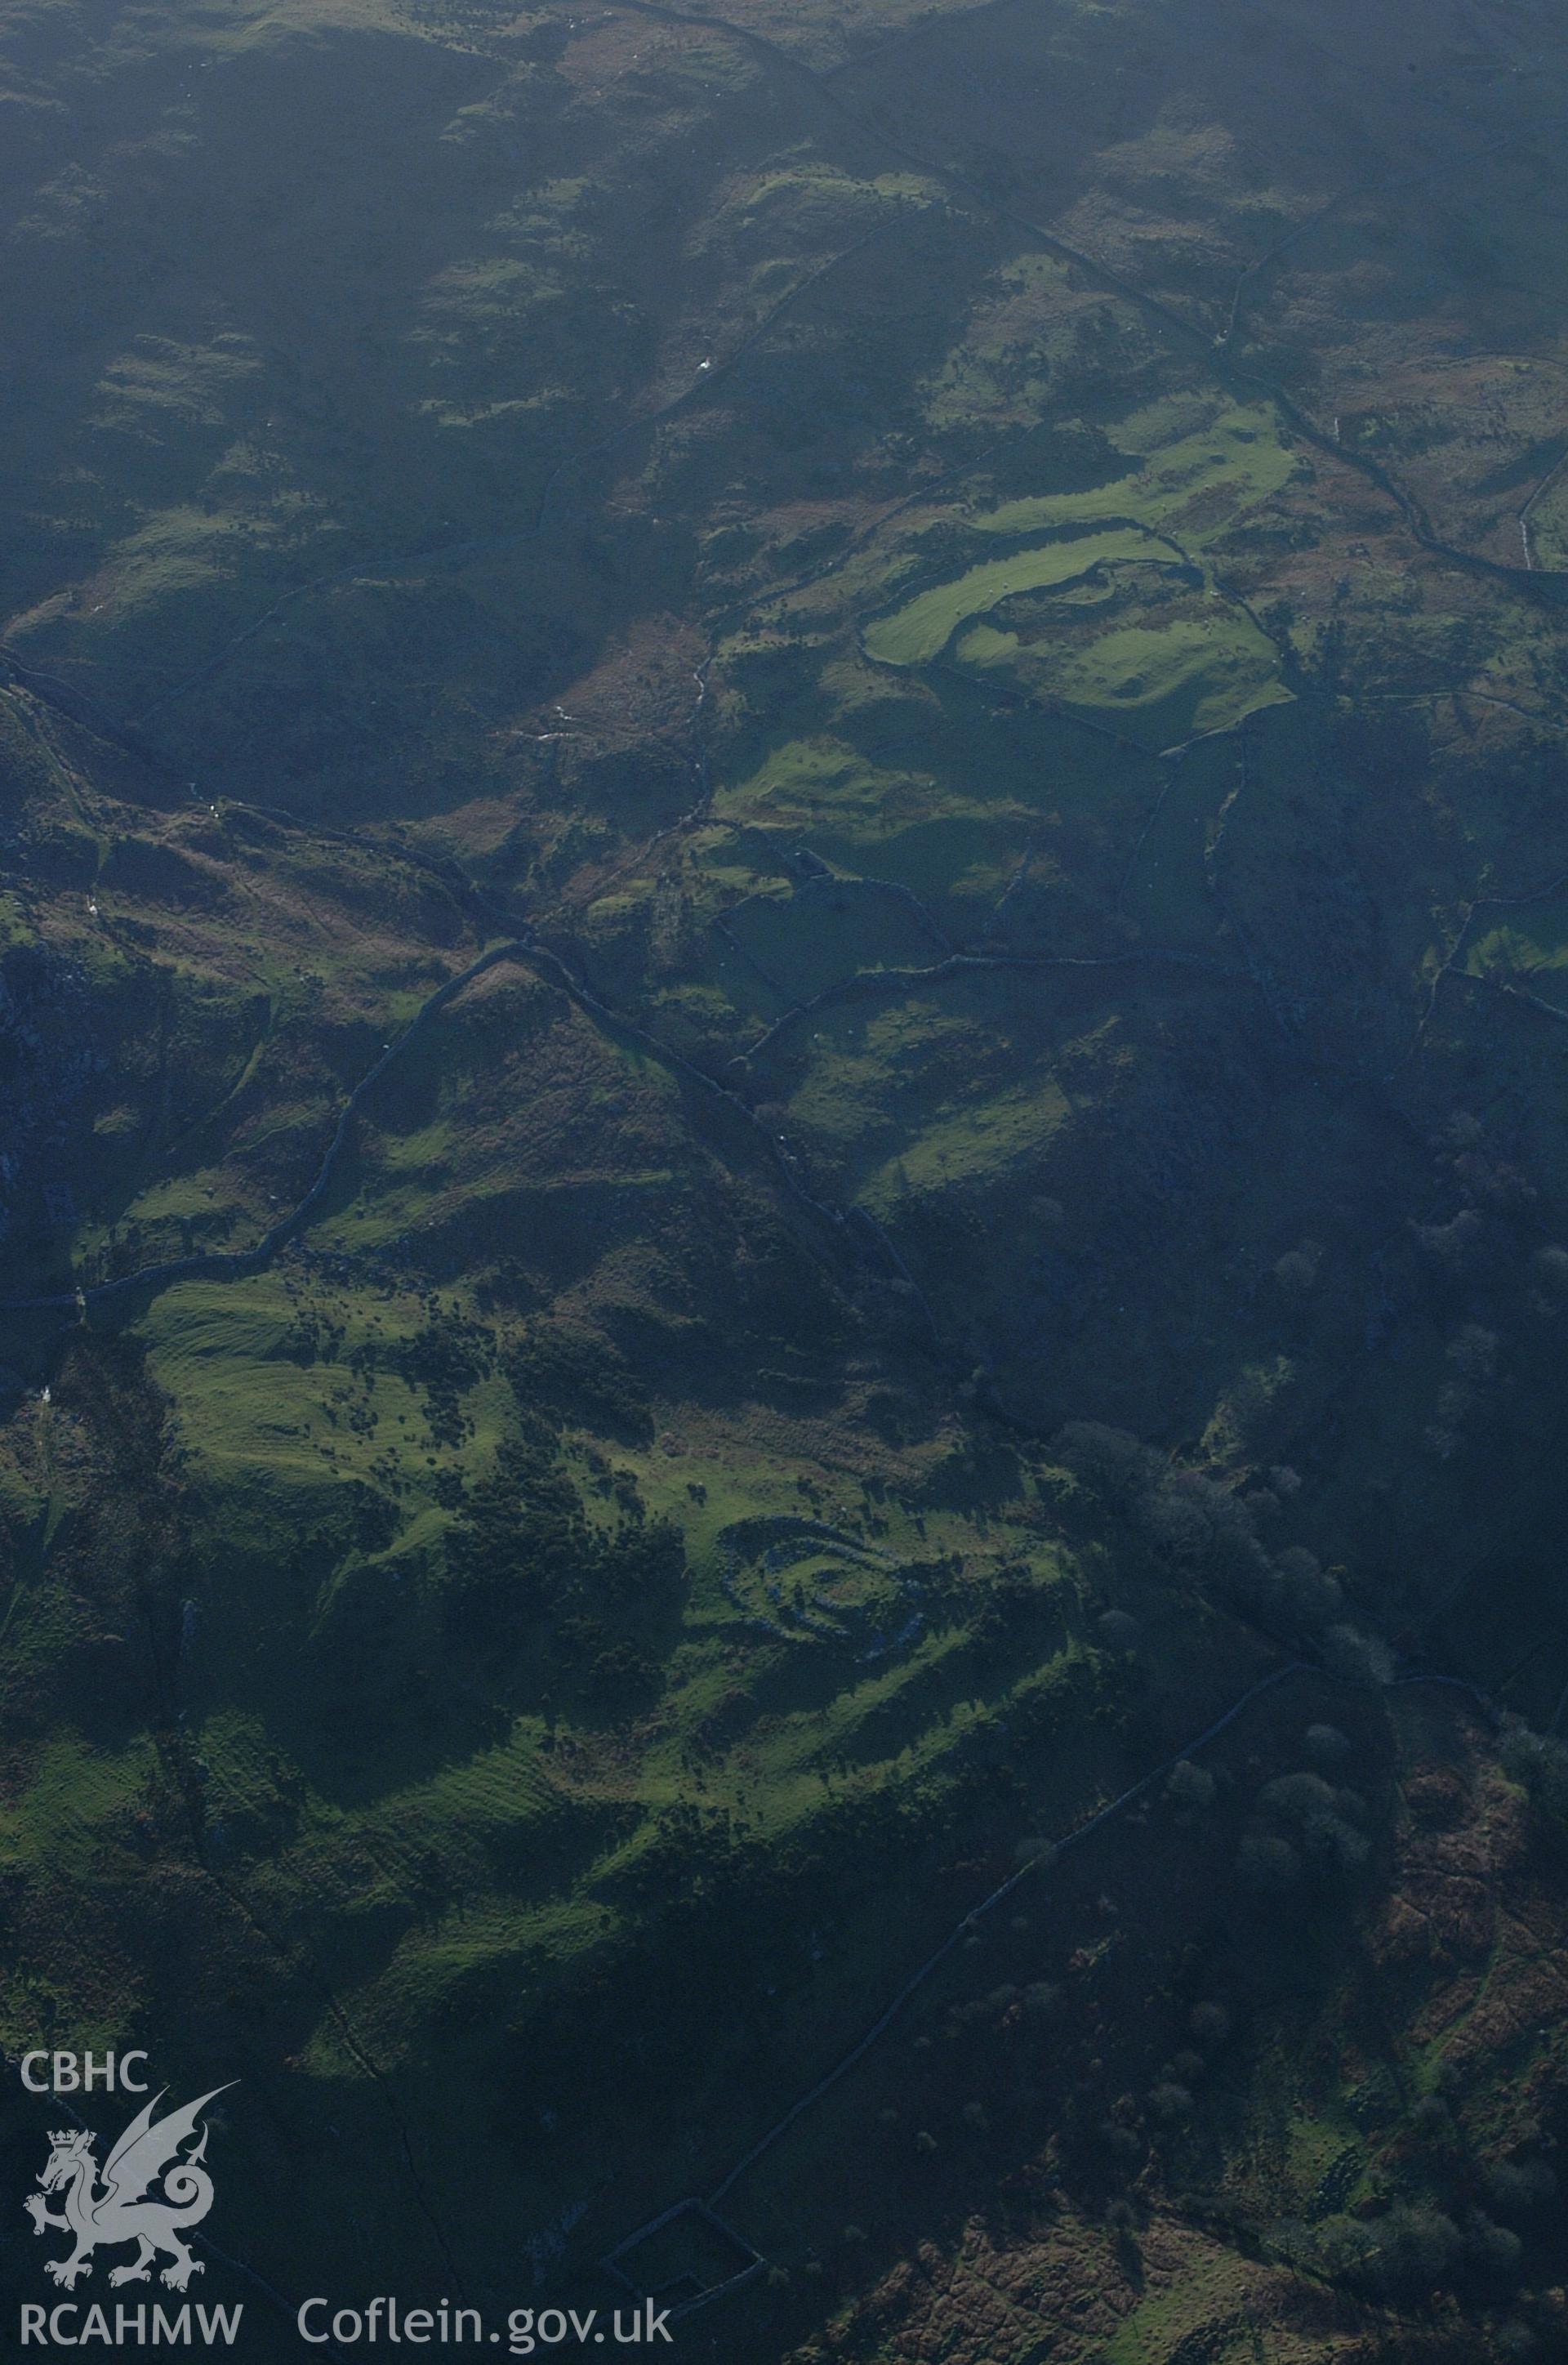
(446, 1357)
(1412, 2249)
(1419, 2244)
(558, 1375)
(1539, 1760)
(523, 1560)
(1207, 1532)
(1303, 1829)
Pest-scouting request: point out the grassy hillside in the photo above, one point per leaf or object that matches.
(783, 851)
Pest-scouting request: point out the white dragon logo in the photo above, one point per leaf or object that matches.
(120, 2211)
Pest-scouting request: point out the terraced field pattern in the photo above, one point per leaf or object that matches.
(783, 1159)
